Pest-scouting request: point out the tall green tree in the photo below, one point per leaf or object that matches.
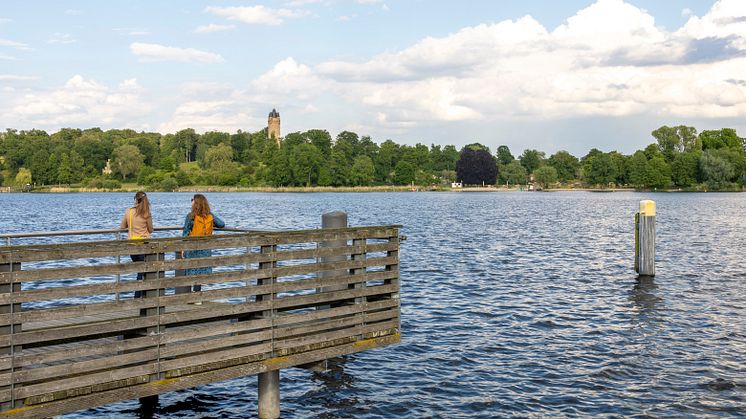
(717, 171)
(514, 173)
(684, 168)
(565, 164)
(546, 176)
(306, 161)
(504, 156)
(532, 159)
(363, 171)
(127, 160)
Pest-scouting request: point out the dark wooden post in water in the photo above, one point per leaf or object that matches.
(9, 287)
(645, 239)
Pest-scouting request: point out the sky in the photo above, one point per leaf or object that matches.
(543, 74)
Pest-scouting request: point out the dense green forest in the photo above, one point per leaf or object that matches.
(678, 157)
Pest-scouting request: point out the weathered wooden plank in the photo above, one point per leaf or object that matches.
(87, 349)
(215, 356)
(178, 383)
(51, 274)
(79, 368)
(299, 301)
(99, 328)
(297, 318)
(207, 347)
(84, 380)
(280, 344)
(91, 309)
(33, 253)
(345, 322)
(207, 330)
(80, 331)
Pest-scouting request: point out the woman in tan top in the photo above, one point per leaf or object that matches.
(139, 224)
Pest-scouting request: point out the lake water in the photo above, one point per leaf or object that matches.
(513, 304)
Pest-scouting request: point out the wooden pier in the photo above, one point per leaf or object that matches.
(73, 337)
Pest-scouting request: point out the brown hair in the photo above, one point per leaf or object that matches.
(142, 205)
(199, 206)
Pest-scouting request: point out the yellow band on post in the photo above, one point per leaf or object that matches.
(647, 208)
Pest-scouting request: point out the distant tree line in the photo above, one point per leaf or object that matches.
(680, 157)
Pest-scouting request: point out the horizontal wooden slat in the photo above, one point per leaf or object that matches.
(344, 322)
(329, 336)
(68, 351)
(217, 343)
(97, 308)
(85, 380)
(31, 253)
(79, 368)
(178, 383)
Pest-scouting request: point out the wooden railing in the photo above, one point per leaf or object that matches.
(72, 336)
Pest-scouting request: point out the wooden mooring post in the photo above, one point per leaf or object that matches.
(274, 300)
(645, 239)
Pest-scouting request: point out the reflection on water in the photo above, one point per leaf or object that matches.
(513, 304)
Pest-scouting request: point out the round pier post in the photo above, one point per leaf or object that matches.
(269, 395)
(335, 219)
(645, 239)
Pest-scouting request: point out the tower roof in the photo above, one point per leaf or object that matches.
(274, 114)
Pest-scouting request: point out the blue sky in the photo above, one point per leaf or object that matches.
(550, 75)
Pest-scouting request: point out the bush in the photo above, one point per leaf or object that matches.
(111, 184)
(183, 178)
(94, 183)
(168, 184)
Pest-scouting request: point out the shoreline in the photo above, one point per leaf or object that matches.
(343, 189)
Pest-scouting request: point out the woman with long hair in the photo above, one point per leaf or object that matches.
(200, 222)
(139, 224)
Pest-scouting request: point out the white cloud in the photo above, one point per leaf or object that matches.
(256, 15)
(7, 57)
(61, 38)
(686, 12)
(301, 3)
(609, 60)
(288, 77)
(13, 44)
(212, 27)
(73, 12)
(15, 77)
(80, 102)
(4, 20)
(206, 116)
(386, 8)
(156, 52)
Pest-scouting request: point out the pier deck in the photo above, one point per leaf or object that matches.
(72, 336)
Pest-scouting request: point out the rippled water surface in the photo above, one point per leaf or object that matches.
(513, 304)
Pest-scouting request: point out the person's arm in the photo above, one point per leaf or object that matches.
(217, 222)
(188, 224)
(123, 224)
(150, 225)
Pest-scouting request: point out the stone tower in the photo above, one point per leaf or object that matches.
(273, 126)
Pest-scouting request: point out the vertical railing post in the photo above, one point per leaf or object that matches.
(148, 403)
(335, 219)
(9, 288)
(179, 273)
(645, 239)
(360, 298)
(269, 382)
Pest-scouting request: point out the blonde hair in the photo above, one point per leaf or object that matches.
(142, 205)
